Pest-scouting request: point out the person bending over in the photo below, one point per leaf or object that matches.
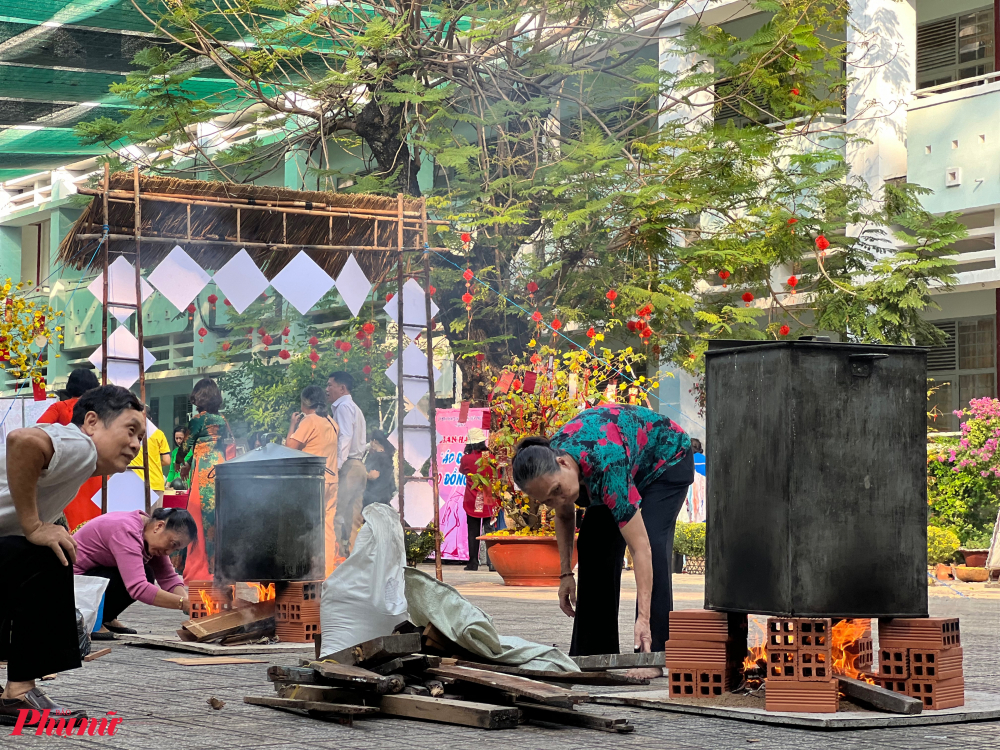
(132, 550)
(40, 472)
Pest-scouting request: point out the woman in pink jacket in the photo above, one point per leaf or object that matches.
(132, 550)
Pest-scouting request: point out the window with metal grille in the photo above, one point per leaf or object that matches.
(953, 48)
(962, 369)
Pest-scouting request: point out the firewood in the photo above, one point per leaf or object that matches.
(218, 626)
(519, 686)
(570, 678)
(350, 676)
(407, 664)
(879, 698)
(343, 713)
(97, 654)
(444, 711)
(571, 718)
(377, 650)
(600, 662)
(320, 693)
(396, 683)
(435, 687)
(415, 690)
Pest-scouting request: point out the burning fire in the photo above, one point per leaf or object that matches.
(212, 607)
(846, 634)
(264, 593)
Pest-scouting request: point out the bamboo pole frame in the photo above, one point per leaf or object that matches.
(139, 336)
(104, 321)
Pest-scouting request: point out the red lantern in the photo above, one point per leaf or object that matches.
(367, 343)
(313, 341)
(286, 331)
(822, 243)
(192, 308)
(480, 357)
(266, 340)
(431, 289)
(226, 302)
(784, 330)
(202, 331)
(466, 237)
(748, 298)
(388, 297)
(793, 220)
(388, 356)
(792, 282)
(535, 358)
(262, 331)
(225, 346)
(337, 344)
(367, 370)
(612, 295)
(346, 346)
(532, 287)
(212, 299)
(468, 274)
(360, 335)
(536, 316)
(368, 328)
(591, 332)
(724, 274)
(467, 298)
(314, 356)
(516, 385)
(795, 92)
(556, 324)
(647, 332)
(631, 325)
(284, 354)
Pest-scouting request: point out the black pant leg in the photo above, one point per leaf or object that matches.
(38, 604)
(474, 525)
(600, 549)
(661, 503)
(116, 596)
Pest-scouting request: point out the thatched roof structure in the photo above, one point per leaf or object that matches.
(348, 221)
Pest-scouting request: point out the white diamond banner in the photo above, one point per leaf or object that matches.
(121, 289)
(414, 309)
(353, 285)
(126, 493)
(415, 383)
(179, 278)
(302, 282)
(122, 345)
(241, 281)
(419, 503)
(416, 439)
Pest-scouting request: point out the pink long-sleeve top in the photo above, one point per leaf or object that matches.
(115, 540)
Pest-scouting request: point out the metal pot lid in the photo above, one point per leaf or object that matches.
(275, 452)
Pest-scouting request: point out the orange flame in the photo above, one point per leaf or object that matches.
(846, 637)
(264, 593)
(212, 607)
(757, 648)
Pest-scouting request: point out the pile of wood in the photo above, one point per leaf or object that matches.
(397, 676)
(247, 624)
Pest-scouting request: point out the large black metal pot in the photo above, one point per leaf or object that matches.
(269, 507)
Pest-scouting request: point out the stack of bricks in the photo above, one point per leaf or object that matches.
(800, 665)
(296, 612)
(922, 657)
(221, 598)
(861, 654)
(705, 652)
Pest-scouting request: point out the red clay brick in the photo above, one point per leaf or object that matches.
(930, 633)
(894, 663)
(782, 665)
(938, 695)
(935, 666)
(814, 666)
(809, 697)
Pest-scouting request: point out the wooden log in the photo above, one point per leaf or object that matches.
(444, 711)
(344, 713)
(417, 690)
(873, 696)
(377, 650)
(571, 718)
(225, 623)
(185, 635)
(600, 662)
(346, 675)
(97, 654)
(300, 675)
(507, 683)
(436, 687)
(568, 678)
(320, 693)
(396, 683)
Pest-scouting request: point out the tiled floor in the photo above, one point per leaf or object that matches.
(165, 705)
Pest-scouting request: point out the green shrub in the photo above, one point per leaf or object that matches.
(689, 539)
(418, 546)
(942, 544)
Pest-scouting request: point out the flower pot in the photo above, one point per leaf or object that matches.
(972, 575)
(975, 558)
(525, 560)
(943, 572)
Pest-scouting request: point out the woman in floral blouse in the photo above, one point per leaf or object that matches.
(612, 460)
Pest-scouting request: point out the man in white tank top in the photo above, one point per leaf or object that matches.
(41, 471)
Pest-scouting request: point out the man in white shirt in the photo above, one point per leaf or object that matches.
(352, 476)
(40, 473)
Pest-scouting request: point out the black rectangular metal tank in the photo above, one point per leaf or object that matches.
(816, 470)
(269, 507)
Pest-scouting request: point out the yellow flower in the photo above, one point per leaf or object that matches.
(532, 343)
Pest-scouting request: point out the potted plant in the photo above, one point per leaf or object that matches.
(689, 540)
(561, 385)
(942, 544)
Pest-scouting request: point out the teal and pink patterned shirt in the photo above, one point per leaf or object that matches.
(621, 450)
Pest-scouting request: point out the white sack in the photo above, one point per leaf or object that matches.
(88, 591)
(363, 598)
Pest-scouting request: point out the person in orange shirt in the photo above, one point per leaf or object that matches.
(313, 431)
(81, 508)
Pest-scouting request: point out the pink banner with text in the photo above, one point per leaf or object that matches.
(451, 436)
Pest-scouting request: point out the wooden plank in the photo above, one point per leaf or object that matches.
(866, 694)
(208, 661)
(350, 676)
(97, 654)
(407, 664)
(217, 626)
(445, 711)
(568, 678)
(377, 650)
(343, 711)
(300, 675)
(320, 693)
(508, 683)
(417, 690)
(571, 718)
(600, 662)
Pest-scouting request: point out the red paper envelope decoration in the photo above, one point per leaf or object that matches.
(503, 385)
(463, 413)
(530, 379)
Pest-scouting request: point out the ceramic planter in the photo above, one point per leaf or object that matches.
(525, 560)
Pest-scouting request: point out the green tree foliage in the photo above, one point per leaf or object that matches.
(570, 155)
